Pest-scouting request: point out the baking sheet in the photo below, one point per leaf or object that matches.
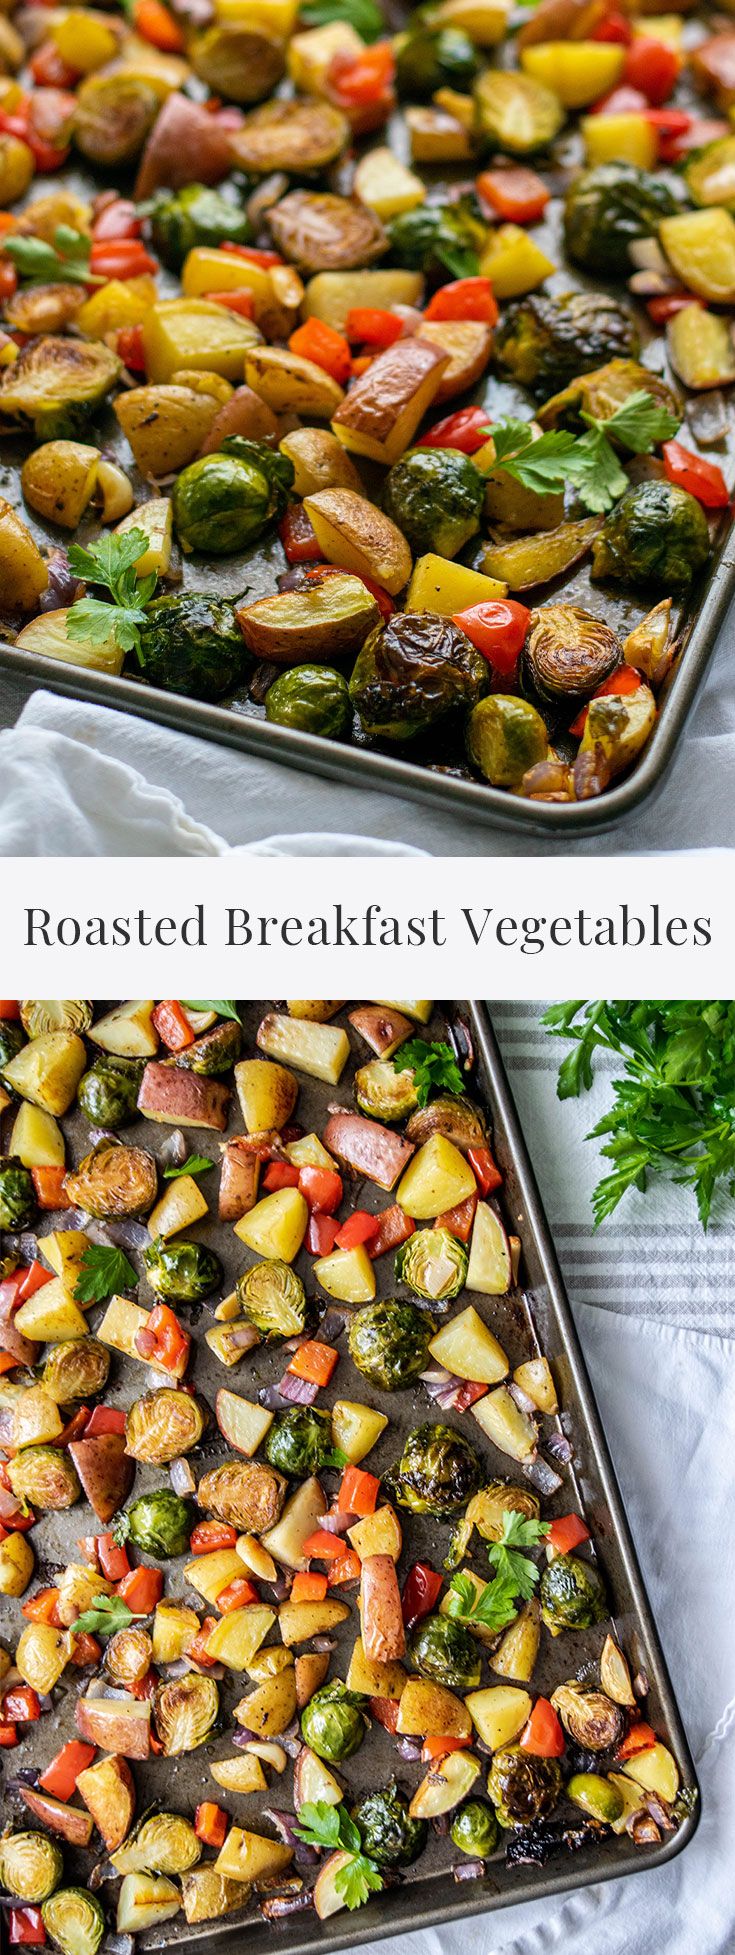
(536, 1316)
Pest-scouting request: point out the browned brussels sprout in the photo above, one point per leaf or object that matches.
(161, 1843)
(437, 1473)
(17, 1197)
(450, 1114)
(159, 1523)
(591, 1718)
(296, 136)
(45, 1476)
(78, 1369)
(321, 232)
(514, 112)
(215, 1052)
(186, 1710)
(657, 535)
(129, 1655)
(113, 1180)
(389, 1835)
(435, 497)
(31, 1866)
(569, 652)
(599, 394)
(505, 736)
(444, 1650)
(244, 1493)
(608, 207)
(162, 1425)
(389, 1342)
(182, 1272)
(545, 341)
(237, 62)
(56, 384)
(414, 672)
(572, 1594)
(114, 116)
(272, 1297)
(523, 1788)
(108, 1093)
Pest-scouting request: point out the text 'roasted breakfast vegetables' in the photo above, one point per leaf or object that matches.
(375, 381)
(275, 1500)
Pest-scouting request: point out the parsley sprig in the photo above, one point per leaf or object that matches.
(331, 1826)
(363, 15)
(102, 1273)
(223, 1006)
(590, 462)
(434, 1068)
(64, 261)
(110, 563)
(196, 1164)
(107, 1614)
(494, 1606)
(673, 1112)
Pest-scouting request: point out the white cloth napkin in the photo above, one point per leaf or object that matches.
(168, 794)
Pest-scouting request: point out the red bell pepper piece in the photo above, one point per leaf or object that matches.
(117, 218)
(41, 1607)
(8, 1736)
(464, 298)
(298, 536)
(517, 195)
(308, 1587)
(210, 1823)
(121, 258)
(75, 1427)
(486, 1174)
(393, 1228)
(164, 1340)
(48, 1185)
(129, 346)
(238, 1594)
(266, 259)
(241, 302)
(360, 1227)
(640, 1737)
(317, 341)
(385, 1712)
(142, 1590)
(33, 1279)
(370, 325)
(653, 67)
(702, 479)
(10, 1008)
(323, 1546)
(20, 1705)
(623, 681)
(345, 1568)
(321, 1234)
(458, 1220)
(358, 81)
(421, 1590)
(61, 1775)
(25, 1927)
(358, 1492)
(701, 131)
(172, 1025)
(113, 1560)
(440, 1748)
(85, 1650)
(314, 1361)
(666, 306)
(198, 1649)
(208, 1536)
(321, 1188)
(542, 1736)
(280, 1174)
(613, 27)
(497, 629)
(466, 430)
(568, 1532)
(104, 1418)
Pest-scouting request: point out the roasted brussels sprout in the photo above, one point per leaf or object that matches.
(74, 1921)
(299, 1443)
(108, 1093)
(603, 390)
(412, 673)
(523, 1788)
(439, 238)
(129, 1655)
(215, 1052)
(595, 1795)
(657, 534)
(193, 644)
(426, 61)
(224, 502)
(333, 1723)
(45, 1476)
(11, 1040)
(162, 1425)
(161, 1843)
(41, 1015)
(608, 207)
(435, 497)
(474, 1829)
(487, 1508)
(186, 1711)
(434, 1264)
(383, 1092)
(196, 215)
(57, 383)
(389, 1342)
(160, 1523)
(114, 115)
(182, 1272)
(444, 1650)
(313, 698)
(543, 341)
(569, 653)
(31, 1866)
(389, 1835)
(78, 1369)
(592, 1719)
(244, 1493)
(272, 1297)
(505, 736)
(572, 1594)
(514, 112)
(452, 1115)
(17, 1196)
(114, 1180)
(437, 1473)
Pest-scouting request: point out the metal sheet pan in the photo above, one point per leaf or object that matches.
(538, 1315)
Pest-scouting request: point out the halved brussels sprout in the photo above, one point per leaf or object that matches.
(474, 1828)
(434, 1264)
(569, 653)
(389, 1835)
(544, 341)
(437, 1473)
(414, 672)
(450, 1114)
(182, 1272)
(160, 1524)
(114, 115)
(195, 215)
(237, 61)
(505, 736)
(602, 391)
(161, 1843)
(299, 1443)
(186, 1712)
(523, 1788)
(435, 497)
(515, 113)
(313, 698)
(17, 1195)
(162, 1425)
(56, 384)
(389, 1342)
(383, 1092)
(45, 1476)
(272, 1297)
(223, 502)
(657, 534)
(425, 61)
(215, 1052)
(444, 1650)
(590, 1717)
(11, 1040)
(114, 1180)
(333, 1723)
(244, 1493)
(78, 1369)
(572, 1594)
(608, 207)
(74, 1920)
(31, 1866)
(108, 1093)
(40, 1015)
(129, 1655)
(487, 1508)
(192, 644)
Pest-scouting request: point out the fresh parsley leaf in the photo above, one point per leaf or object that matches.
(540, 464)
(590, 463)
(598, 476)
(196, 1164)
(103, 1272)
(332, 1827)
(363, 15)
(515, 1576)
(107, 1614)
(110, 563)
(640, 422)
(64, 261)
(434, 1068)
(492, 1607)
(224, 1006)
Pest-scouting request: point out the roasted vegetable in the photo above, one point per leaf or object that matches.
(161, 1843)
(383, 1092)
(186, 1712)
(321, 232)
(75, 1370)
(505, 737)
(545, 341)
(514, 112)
(435, 496)
(523, 1788)
(445, 1651)
(413, 673)
(160, 1524)
(433, 1263)
(162, 1425)
(474, 1828)
(114, 1180)
(295, 136)
(656, 535)
(389, 1835)
(57, 384)
(389, 1343)
(182, 1272)
(313, 699)
(437, 238)
(108, 1093)
(330, 617)
(333, 1723)
(272, 1297)
(606, 209)
(572, 1594)
(74, 1920)
(224, 502)
(437, 1473)
(300, 1442)
(243, 1492)
(425, 60)
(195, 215)
(569, 652)
(114, 115)
(191, 644)
(11, 1040)
(31, 1866)
(237, 60)
(591, 1719)
(45, 1476)
(453, 1115)
(17, 1197)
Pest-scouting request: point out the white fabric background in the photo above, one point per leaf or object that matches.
(79, 780)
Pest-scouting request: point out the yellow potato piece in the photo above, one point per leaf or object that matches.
(578, 72)
(356, 536)
(439, 585)
(700, 244)
(196, 333)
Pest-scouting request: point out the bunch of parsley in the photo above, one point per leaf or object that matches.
(590, 462)
(433, 1065)
(495, 1605)
(331, 1826)
(673, 1111)
(110, 563)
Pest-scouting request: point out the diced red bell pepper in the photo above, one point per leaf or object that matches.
(210, 1823)
(121, 258)
(198, 1649)
(238, 1594)
(394, 1228)
(440, 1748)
(280, 1174)
(172, 1025)
(117, 219)
(665, 307)
(464, 298)
(60, 1777)
(75, 1427)
(10, 1008)
(208, 1536)
(466, 430)
(155, 24)
(458, 1220)
(613, 27)
(314, 1361)
(345, 1568)
(85, 1650)
(516, 194)
(542, 1736)
(385, 1712)
(8, 1736)
(298, 536)
(653, 67)
(25, 1927)
(568, 1532)
(323, 1546)
(701, 478)
(113, 1560)
(164, 1341)
(21, 1705)
(421, 1590)
(624, 680)
(142, 1590)
(266, 259)
(361, 80)
(321, 1234)
(468, 1394)
(41, 1607)
(370, 325)
(33, 1278)
(48, 1184)
(701, 131)
(130, 349)
(308, 1587)
(640, 1737)
(360, 1227)
(358, 1492)
(241, 302)
(321, 1188)
(317, 341)
(486, 1173)
(498, 629)
(104, 1418)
